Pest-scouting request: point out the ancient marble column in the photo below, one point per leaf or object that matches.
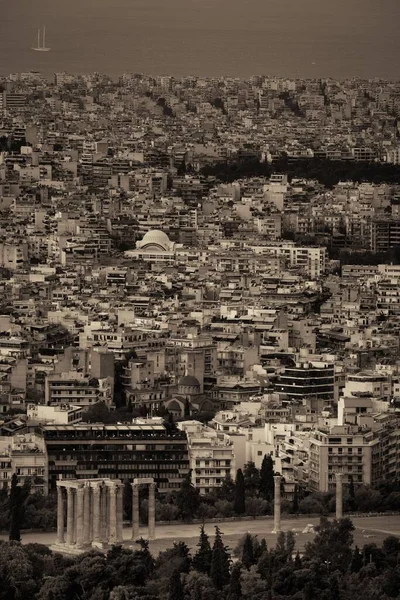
(70, 515)
(277, 504)
(60, 515)
(86, 516)
(152, 510)
(104, 523)
(339, 495)
(97, 536)
(112, 521)
(79, 515)
(120, 513)
(135, 512)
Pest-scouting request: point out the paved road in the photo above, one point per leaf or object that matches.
(368, 529)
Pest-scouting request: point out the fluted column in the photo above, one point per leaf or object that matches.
(339, 495)
(152, 511)
(135, 512)
(60, 515)
(79, 516)
(97, 537)
(112, 536)
(277, 503)
(104, 522)
(120, 513)
(86, 515)
(70, 515)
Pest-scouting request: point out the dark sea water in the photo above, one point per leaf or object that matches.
(289, 38)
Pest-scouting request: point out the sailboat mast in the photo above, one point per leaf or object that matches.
(44, 36)
(38, 38)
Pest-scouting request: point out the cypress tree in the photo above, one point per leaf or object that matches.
(16, 510)
(251, 478)
(235, 587)
(175, 587)
(227, 489)
(220, 560)
(295, 506)
(352, 493)
(267, 477)
(356, 560)
(239, 505)
(248, 551)
(188, 498)
(297, 561)
(203, 556)
(187, 408)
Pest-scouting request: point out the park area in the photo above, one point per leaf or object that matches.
(368, 530)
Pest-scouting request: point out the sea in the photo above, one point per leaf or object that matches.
(210, 38)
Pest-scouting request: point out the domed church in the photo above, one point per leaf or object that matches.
(156, 240)
(154, 247)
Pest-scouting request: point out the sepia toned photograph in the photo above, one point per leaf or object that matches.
(199, 300)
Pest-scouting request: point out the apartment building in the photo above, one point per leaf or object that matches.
(211, 456)
(306, 379)
(340, 449)
(385, 234)
(141, 449)
(74, 387)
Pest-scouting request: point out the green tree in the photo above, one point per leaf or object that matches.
(248, 551)
(175, 587)
(187, 408)
(227, 489)
(295, 505)
(251, 478)
(332, 544)
(220, 562)
(352, 494)
(203, 556)
(356, 560)
(235, 587)
(188, 499)
(239, 505)
(267, 478)
(16, 508)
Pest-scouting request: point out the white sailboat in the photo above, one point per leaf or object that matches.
(40, 42)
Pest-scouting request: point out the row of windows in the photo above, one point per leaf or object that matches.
(340, 450)
(216, 463)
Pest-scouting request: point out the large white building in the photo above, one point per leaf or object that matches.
(211, 456)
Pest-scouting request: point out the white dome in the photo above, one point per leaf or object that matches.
(155, 236)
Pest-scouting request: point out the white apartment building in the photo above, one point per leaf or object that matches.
(63, 414)
(311, 260)
(211, 456)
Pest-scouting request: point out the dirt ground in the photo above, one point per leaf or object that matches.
(368, 530)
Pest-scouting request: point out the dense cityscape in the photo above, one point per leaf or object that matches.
(200, 289)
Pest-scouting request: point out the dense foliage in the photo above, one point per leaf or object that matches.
(23, 510)
(327, 172)
(330, 569)
(251, 495)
